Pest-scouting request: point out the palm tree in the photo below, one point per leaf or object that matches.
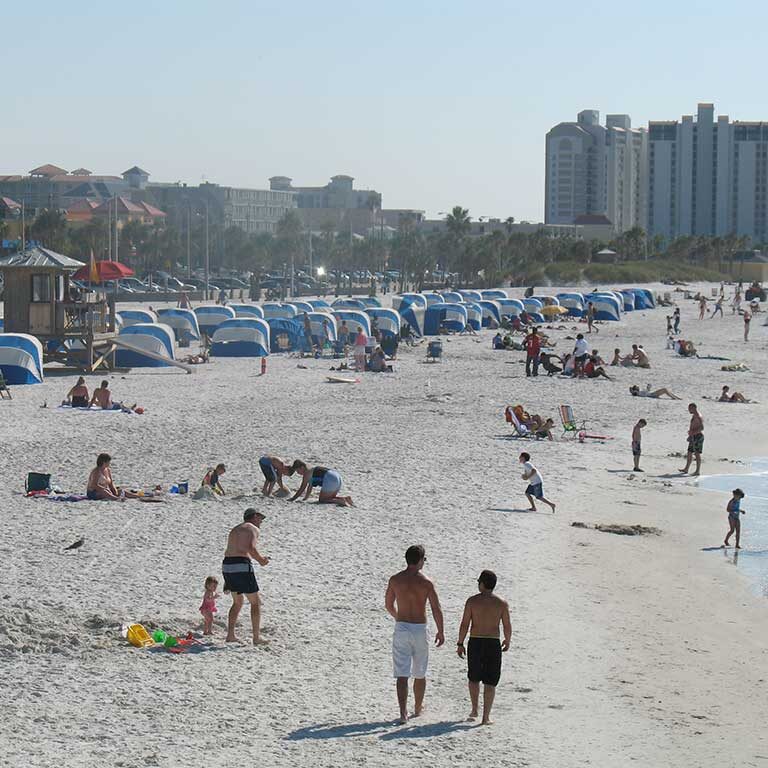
(51, 228)
(458, 224)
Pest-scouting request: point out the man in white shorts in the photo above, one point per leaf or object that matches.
(406, 601)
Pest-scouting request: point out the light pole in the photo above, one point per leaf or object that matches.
(207, 250)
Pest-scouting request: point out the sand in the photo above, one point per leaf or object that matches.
(627, 650)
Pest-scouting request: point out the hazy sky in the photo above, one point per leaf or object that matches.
(433, 104)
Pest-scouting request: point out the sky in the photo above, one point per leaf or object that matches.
(433, 104)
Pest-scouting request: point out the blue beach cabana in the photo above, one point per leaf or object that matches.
(241, 337)
(156, 338)
(21, 358)
(452, 317)
(247, 310)
(130, 317)
(210, 316)
(183, 322)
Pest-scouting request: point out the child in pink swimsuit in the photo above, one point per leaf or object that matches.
(208, 607)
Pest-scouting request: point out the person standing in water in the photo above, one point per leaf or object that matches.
(734, 521)
(483, 613)
(406, 602)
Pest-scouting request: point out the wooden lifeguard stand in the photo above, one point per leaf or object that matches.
(39, 300)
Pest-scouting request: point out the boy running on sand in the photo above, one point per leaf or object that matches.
(535, 489)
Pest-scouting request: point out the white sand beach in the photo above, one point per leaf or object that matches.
(627, 651)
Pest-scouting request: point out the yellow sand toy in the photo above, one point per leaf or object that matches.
(138, 636)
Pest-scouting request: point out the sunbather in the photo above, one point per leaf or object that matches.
(548, 363)
(635, 391)
(726, 396)
(77, 397)
(327, 480)
(103, 397)
(101, 487)
(545, 430)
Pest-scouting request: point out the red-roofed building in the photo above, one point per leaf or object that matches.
(129, 211)
(9, 208)
(82, 210)
(48, 171)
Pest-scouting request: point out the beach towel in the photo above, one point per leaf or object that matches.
(67, 497)
(70, 409)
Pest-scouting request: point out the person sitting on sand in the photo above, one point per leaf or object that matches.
(635, 391)
(101, 487)
(77, 397)
(596, 359)
(685, 348)
(498, 342)
(212, 478)
(726, 396)
(544, 430)
(616, 357)
(378, 363)
(327, 480)
(594, 371)
(273, 470)
(639, 356)
(103, 397)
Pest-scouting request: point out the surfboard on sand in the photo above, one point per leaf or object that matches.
(342, 380)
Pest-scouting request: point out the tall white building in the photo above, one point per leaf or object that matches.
(707, 176)
(595, 171)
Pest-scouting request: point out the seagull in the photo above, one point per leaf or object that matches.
(79, 543)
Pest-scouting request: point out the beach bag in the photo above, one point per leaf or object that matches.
(37, 481)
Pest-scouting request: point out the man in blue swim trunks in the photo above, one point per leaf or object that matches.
(273, 470)
(239, 577)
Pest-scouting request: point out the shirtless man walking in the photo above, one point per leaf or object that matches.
(406, 601)
(695, 440)
(237, 569)
(482, 615)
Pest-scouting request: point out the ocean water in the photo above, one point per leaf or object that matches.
(752, 559)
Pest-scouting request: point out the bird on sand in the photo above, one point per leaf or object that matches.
(76, 545)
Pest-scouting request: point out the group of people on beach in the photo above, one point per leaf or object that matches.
(484, 619)
(79, 397)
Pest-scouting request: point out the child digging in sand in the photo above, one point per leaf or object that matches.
(734, 521)
(208, 606)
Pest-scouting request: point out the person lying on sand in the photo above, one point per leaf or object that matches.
(548, 363)
(327, 480)
(635, 391)
(726, 396)
(78, 396)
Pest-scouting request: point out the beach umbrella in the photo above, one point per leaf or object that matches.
(553, 309)
(105, 270)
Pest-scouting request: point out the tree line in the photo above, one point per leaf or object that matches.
(494, 258)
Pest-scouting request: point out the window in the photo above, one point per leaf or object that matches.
(41, 288)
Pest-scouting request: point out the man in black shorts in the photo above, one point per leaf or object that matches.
(239, 577)
(483, 613)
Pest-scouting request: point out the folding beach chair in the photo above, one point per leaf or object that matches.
(569, 421)
(520, 429)
(4, 391)
(434, 351)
